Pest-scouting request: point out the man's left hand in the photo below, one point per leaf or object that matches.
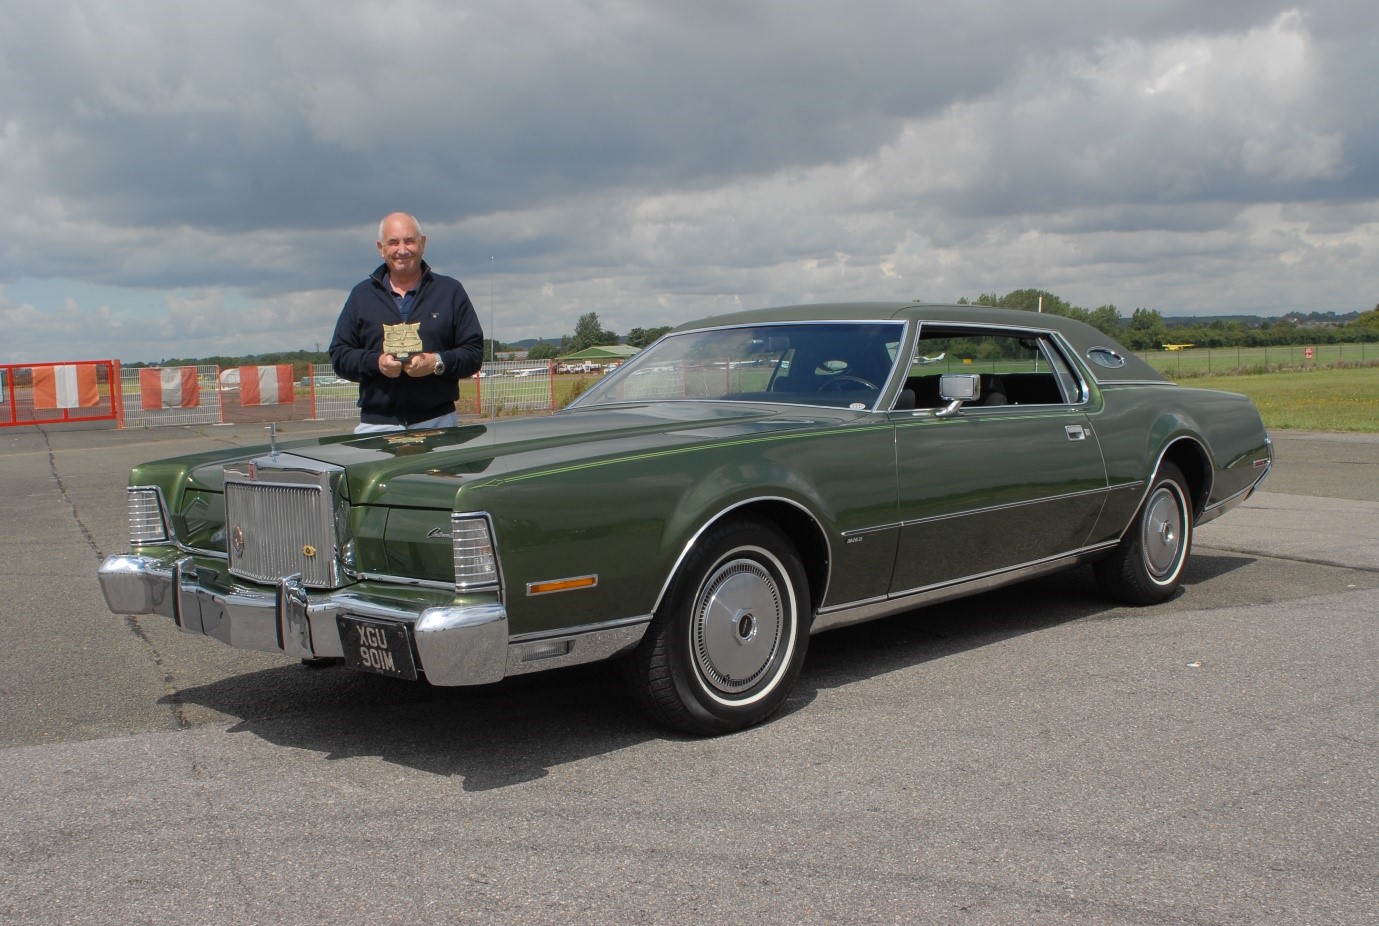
(421, 364)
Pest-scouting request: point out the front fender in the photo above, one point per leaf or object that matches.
(629, 521)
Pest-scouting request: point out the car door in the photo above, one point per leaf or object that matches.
(1013, 478)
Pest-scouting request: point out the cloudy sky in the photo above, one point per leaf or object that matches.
(195, 177)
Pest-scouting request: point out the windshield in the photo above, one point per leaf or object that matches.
(840, 364)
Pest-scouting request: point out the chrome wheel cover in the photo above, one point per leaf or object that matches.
(738, 625)
(1164, 533)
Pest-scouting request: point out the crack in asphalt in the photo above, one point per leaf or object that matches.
(130, 620)
(67, 498)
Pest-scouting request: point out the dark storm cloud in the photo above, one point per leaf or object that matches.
(223, 117)
(622, 152)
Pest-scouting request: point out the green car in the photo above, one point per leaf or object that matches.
(743, 483)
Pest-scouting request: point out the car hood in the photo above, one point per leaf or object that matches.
(427, 468)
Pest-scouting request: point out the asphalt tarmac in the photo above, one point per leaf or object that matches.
(1029, 756)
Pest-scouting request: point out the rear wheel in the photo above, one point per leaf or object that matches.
(1147, 566)
(726, 646)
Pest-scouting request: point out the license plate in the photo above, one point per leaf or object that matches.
(375, 646)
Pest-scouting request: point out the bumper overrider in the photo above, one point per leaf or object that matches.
(452, 644)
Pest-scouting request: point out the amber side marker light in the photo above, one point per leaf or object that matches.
(561, 585)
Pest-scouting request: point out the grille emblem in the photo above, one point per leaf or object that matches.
(237, 541)
(308, 551)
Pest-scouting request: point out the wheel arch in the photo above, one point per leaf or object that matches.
(800, 527)
(1191, 458)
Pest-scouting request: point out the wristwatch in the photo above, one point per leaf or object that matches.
(439, 368)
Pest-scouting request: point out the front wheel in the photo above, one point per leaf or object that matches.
(726, 646)
(1147, 566)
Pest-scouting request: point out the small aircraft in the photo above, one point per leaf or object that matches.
(1176, 346)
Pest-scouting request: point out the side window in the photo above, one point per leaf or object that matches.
(1016, 368)
(1071, 387)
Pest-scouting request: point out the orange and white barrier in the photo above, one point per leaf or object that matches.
(184, 395)
(169, 387)
(59, 393)
(266, 385)
(69, 385)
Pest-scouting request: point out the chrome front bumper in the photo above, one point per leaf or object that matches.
(455, 645)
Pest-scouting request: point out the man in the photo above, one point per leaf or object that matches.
(404, 384)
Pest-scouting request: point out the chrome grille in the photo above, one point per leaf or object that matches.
(280, 524)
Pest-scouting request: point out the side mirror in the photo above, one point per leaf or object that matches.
(955, 389)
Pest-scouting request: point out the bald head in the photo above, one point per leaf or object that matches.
(402, 245)
(393, 217)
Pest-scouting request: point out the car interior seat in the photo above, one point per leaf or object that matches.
(993, 391)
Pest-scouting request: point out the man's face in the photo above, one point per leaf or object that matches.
(402, 247)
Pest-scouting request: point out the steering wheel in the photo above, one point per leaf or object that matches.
(836, 384)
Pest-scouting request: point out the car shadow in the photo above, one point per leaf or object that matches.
(849, 654)
(489, 736)
(517, 730)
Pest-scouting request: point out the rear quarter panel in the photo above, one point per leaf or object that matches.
(1137, 423)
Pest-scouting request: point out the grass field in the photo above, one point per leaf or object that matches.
(1199, 360)
(1311, 399)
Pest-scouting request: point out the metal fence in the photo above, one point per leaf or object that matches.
(1200, 360)
(331, 396)
(502, 387)
(58, 393)
(505, 387)
(160, 396)
(154, 396)
(100, 390)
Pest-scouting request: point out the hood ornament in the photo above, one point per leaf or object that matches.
(272, 430)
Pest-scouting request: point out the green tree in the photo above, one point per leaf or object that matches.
(1029, 300)
(1147, 330)
(543, 350)
(1107, 320)
(641, 337)
(589, 333)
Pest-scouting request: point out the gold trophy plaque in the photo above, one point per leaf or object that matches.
(402, 341)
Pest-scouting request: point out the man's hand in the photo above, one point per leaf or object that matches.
(421, 364)
(389, 366)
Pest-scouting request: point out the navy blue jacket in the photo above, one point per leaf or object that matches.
(449, 327)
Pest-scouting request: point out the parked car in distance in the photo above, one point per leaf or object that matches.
(745, 482)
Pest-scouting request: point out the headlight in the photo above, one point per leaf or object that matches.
(147, 523)
(476, 565)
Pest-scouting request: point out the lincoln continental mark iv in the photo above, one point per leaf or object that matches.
(745, 482)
